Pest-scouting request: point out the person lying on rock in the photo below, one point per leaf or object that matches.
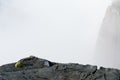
(33, 62)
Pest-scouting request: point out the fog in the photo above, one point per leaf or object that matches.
(108, 44)
(57, 30)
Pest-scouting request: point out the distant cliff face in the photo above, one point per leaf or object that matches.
(108, 44)
(33, 68)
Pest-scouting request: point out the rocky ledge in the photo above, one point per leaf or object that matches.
(33, 68)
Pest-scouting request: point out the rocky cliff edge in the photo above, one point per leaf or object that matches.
(34, 68)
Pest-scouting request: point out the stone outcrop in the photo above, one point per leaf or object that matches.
(33, 68)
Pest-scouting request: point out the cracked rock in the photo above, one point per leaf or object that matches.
(34, 68)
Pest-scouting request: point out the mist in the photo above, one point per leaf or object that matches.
(61, 31)
(108, 42)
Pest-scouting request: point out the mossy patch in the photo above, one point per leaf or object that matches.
(19, 64)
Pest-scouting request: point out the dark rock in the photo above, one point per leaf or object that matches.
(40, 69)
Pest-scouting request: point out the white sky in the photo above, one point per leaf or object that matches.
(57, 30)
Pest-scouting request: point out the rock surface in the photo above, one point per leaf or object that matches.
(34, 68)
